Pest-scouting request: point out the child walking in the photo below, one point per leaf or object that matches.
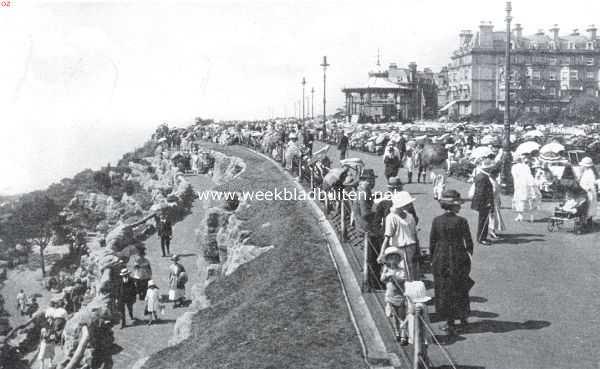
(394, 275)
(152, 303)
(409, 164)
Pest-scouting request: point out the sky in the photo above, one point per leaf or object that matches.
(82, 82)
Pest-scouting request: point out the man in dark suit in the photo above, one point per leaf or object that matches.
(483, 200)
(343, 146)
(165, 232)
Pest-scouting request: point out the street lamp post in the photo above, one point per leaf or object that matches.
(324, 65)
(507, 156)
(312, 103)
(303, 98)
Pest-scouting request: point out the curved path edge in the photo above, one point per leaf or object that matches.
(372, 344)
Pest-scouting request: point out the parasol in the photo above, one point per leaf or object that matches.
(481, 152)
(554, 147)
(533, 133)
(527, 148)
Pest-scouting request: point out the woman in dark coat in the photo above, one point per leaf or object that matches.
(451, 247)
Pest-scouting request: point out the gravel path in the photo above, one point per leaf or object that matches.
(141, 340)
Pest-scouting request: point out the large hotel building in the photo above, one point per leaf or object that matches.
(555, 66)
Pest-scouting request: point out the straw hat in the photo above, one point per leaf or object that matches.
(175, 257)
(391, 251)
(151, 284)
(124, 272)
(487, 164)
(401, 199)
(416, 292)
(368, 174)
(451, 197)
(395, 183)
(586, 162)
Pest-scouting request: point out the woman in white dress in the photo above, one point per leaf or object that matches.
(152, 301)
(587, 181)
(527, 196)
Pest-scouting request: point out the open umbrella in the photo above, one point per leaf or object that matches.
(489, 140)
(481, 152)
(533, 133)
(527, 148)
(554, 147)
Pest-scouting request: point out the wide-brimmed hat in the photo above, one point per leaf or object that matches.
(402, 198)
(450, 197)
(368, 174)
(487, 164)
(124, 272)
(292, 136)
(395, 182)
(586, 162)
(151, 284)
(175, 257)
(416, 292)
(391, 251)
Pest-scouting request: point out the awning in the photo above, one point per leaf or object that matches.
(447, 106)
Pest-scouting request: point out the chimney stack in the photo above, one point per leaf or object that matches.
(518, 30)
(412, 66)
(465, 37)
(554, 31)
(486, 37)
(592, 32)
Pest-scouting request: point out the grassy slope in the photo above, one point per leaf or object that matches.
(285, 309)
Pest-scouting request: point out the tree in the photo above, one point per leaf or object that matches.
(33, 221)
(584, 109)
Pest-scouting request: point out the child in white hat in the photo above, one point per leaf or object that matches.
(394, 275)
(152, 301)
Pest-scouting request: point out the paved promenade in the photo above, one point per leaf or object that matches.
(535, 295)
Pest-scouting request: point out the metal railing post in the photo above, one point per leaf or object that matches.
(312, 180)
(300, 168)
(342, 218)
(418, 338)
(365, 281)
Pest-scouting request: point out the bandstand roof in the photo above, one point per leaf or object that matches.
(378, 83)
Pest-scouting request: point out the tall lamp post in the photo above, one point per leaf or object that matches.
(303, 98)
(507, 156)
(324, 65)
(312, 103)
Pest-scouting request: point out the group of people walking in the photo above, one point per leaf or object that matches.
(141, 286)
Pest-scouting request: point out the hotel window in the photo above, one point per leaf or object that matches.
(574, 75)
(589, 46)
(552, 61)
(589, 61)
(564, 75)
(571, 45)
(552, 91)
(512, 44)
(552, 76)
(537, 75)
(552, 45)
(589, 75)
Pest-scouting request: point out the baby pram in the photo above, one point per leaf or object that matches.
(562, 218)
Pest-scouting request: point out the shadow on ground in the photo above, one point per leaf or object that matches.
(514, 239)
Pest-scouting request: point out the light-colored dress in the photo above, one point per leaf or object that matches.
(496, 221)
(176, 290)
(588, 183)
(152, 300)
(527, 196)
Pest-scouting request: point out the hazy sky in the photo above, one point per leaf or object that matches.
(83, 82)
